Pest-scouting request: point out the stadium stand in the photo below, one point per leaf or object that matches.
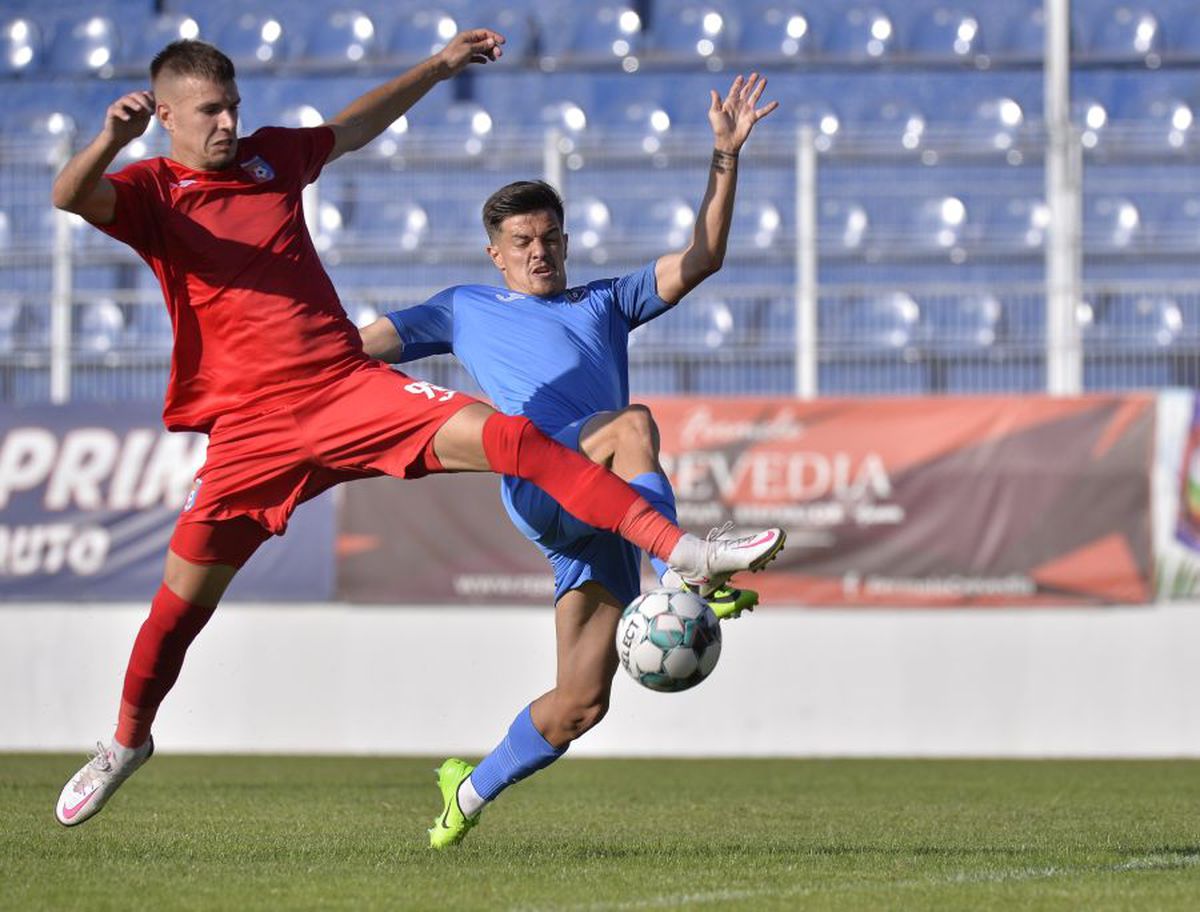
(932, 221)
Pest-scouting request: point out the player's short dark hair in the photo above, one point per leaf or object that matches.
(190, 57)
(520, 198)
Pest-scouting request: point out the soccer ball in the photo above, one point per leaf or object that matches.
(669, 639)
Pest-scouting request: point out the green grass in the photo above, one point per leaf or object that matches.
(338, 833)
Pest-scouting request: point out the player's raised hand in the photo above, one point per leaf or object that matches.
(471, 46)
(734, 116)
(127, 118)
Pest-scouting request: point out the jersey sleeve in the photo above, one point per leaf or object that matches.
(138, 208)
(636, 296)
(315, 145)
(427, 329)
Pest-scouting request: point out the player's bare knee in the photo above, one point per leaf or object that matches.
(576, 716)
(637, 430)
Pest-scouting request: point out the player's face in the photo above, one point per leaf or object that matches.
(201, 117)
(531, 252)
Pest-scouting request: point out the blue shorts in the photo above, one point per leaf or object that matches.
(577, 552)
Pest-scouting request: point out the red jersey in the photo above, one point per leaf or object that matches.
(256, 319)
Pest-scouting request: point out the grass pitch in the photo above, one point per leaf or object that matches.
(339, 833)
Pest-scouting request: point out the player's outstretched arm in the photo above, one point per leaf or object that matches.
(370, 114)
(81, 186)
(381, 341)
(731, 118)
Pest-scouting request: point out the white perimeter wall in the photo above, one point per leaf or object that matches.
(339, 679)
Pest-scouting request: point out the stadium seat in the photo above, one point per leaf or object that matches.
(1090, 116)
(149, 327)
(607, 32)
(10, 314)
(1013, 223)
(415, 35)
(659, 223)
(989, 375)
(643, 124)
(1176, 224)
(254, 40)
(742, 376)
(1111, 224)
(99, 326)
(820, 115)
(145, 39)
(781, 31)
(21, 44)
(589, 225)
(402, 226)
(653, 378)
(861, 33)
(1023, 36)
(338, 37)
(843, 225)
(1145, 323)
(1123, 33)
(943, 33)
(758, 227)
(881, 321)
(694, 32)
(965, 325)
(895, 124)
(85, 45)
(1165, 121)
(995, 124)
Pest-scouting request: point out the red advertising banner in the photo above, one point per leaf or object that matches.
(981, 501)
(1005, 501)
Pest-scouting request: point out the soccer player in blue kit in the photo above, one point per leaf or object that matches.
(558, 356)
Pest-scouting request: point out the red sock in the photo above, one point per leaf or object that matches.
(589, 491)
(154, 665)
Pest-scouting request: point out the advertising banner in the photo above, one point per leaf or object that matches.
(980, 500)
(89, 494)
(949, 501)
(1177, 495)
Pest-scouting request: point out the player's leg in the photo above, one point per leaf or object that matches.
(627, 442)
(477, 438)
(585, 626)
(191, 589)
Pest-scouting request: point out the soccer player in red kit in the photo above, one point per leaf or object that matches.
(267, 364)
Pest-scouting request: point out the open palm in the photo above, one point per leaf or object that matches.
(734, 116)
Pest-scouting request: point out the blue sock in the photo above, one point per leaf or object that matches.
(522, 752)
(658, 493)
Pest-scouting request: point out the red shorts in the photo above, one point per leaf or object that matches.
(259, 467)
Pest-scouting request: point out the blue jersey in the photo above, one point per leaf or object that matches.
(553, 360)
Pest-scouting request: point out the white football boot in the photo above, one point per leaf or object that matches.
(724, 557)
(95, 783)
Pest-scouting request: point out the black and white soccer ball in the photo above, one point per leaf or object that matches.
(669, 639)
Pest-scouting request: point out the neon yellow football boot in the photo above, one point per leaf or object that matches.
(450, 828)
(729, 602)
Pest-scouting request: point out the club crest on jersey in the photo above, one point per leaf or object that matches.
(260, 172)
(191, 498)
(575, 295)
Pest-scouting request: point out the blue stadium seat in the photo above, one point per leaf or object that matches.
(895, 123)
(590, 227)
(401, 225)
(1111, 224)
(643, 124)
(1144, 323)
(145, 39)
(338, 37)
(10, 314)
(84, 45)
(1112, 373)
(861, 33)
(879, 322)
(659, 223)
(694, 31)
(781, 31)
(21, 48)
(995, 123)
(1123, 33)
(822, 116)
(1165, 120)
(966, 325)
(99, 326)
(595, 34)
(943, 33)
(758, 227)
(1090, 116)
(1175, 224)
(653, 378)
(1013, 224)
(254, 40)
(1023, 35)
(416, 34)
(843, 225)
